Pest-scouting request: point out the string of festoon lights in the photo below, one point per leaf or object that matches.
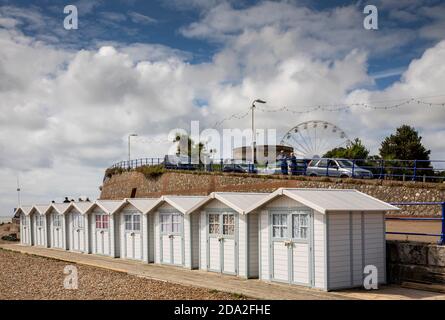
(301, 110)
(148, 140)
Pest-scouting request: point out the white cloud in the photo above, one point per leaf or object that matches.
(8, 22)
(141, 18)
(425, 77)
(87, 6)
(113, 16)
(388, 73)
(203, 5)
(305, 29)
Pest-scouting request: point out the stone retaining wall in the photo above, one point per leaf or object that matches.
(198, 183)
(415, 261)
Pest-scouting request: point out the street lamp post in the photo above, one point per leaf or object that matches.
(253, 129)
(18, 192)
(129, 150)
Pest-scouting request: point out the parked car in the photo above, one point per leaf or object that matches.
(270, 169)
(178, 163)
(238, 168)
(275, 168)
(342, 168)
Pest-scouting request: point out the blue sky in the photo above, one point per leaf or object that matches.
(69, 99)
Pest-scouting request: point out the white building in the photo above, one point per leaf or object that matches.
(40, 225)
(58, 226)
(78, 227)
(228, 235)
(104, 228)
(321, 238)
(176, 239)
(136, 229)
(25, 225)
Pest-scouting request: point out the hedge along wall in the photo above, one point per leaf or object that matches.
(122, 185)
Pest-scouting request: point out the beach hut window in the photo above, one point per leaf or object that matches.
(299, 226)
(213, 223)
(279, 225)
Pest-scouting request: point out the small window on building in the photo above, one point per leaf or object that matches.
(228, 224)
(105, 220)
(176, 223)
(137, 222)
(213, 223)
(101, 221)
(299, 226)
(171, 223)
(39, 221)
(57, 220)
(165, 223)
(78, 221)
(98, 221)
(279, 225)
(128, 225)
(132, 222)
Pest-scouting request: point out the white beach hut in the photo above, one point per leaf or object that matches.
(40, 225)
(321, 238)
(136, 229)
(25, 225)
(57, 225)
(78, 227)
(104, 229)
(228, 235)
(176, 232)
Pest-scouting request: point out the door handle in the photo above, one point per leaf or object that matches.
(101, 232)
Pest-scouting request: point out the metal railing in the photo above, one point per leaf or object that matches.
(136, 163)
(442, 219)
(403, 170)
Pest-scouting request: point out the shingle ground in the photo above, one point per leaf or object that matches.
(24, 276)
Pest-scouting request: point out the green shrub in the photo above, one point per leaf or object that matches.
(113, 171)
(151, 172)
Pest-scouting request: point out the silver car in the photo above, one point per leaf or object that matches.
(342, 168)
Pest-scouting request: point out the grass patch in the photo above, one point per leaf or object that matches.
(151, 172)
(114, 171)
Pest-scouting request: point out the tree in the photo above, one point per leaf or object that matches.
(354, 150)
(186, 146)
(406, 144)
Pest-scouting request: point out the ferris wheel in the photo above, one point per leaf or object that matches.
(312, 139)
